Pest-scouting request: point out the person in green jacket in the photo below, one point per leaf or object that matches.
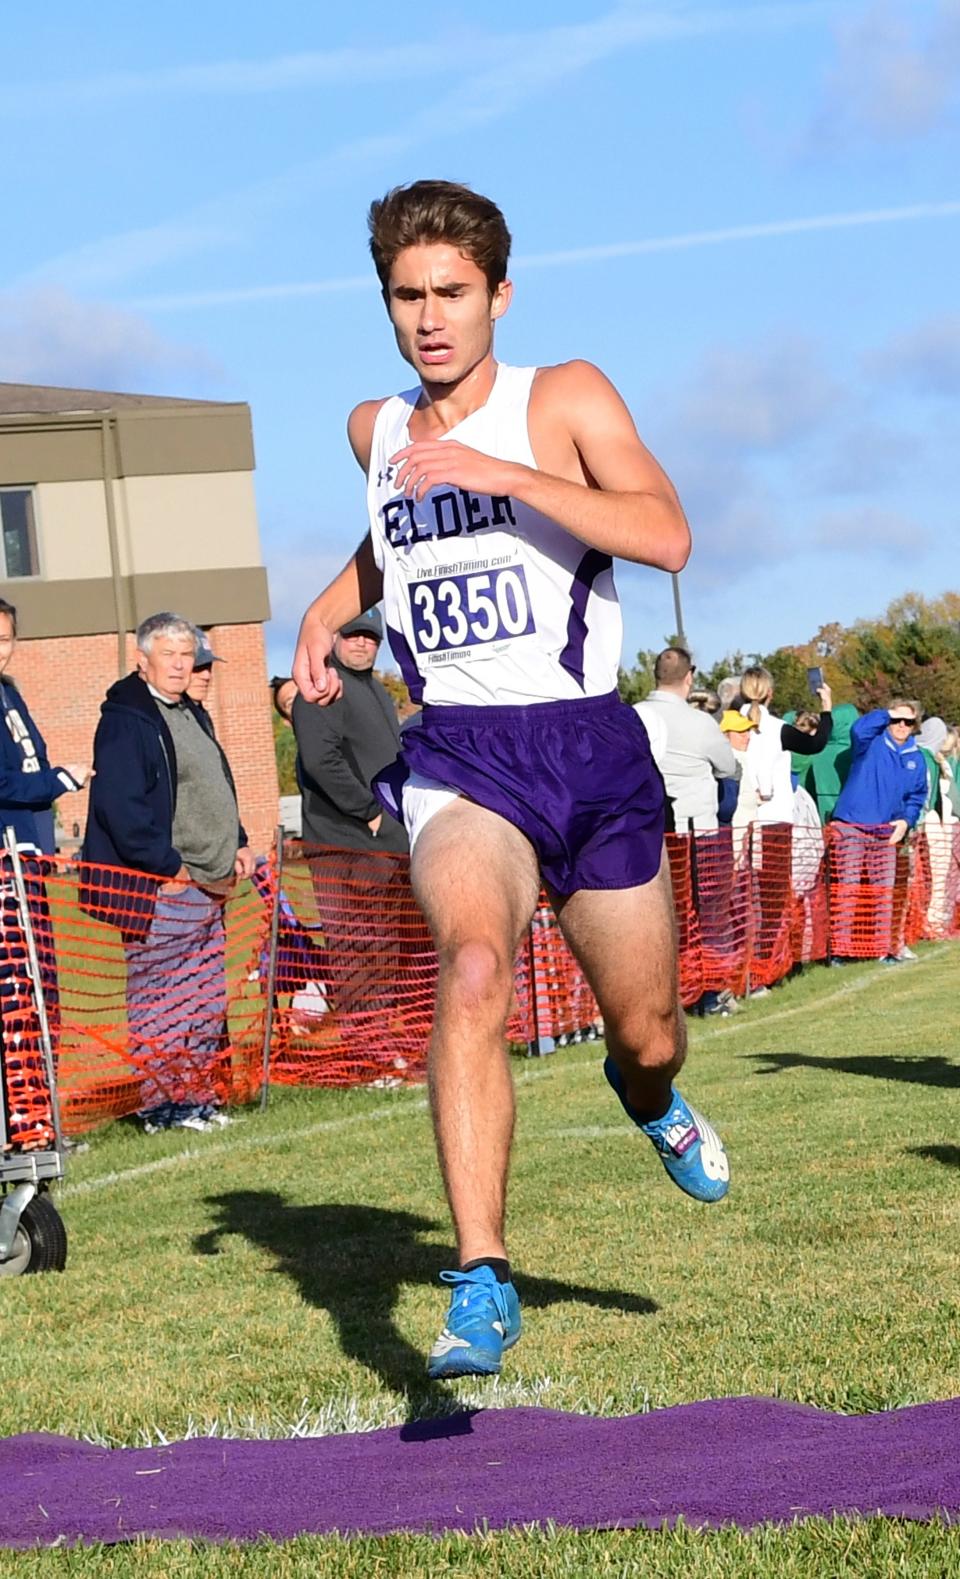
(824, 775)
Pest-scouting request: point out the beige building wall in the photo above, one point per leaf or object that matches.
(71, 522)
(205, 521)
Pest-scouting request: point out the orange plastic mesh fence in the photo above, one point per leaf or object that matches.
(27, 1110)
(356, 971)
(156, 996)
(147, 992)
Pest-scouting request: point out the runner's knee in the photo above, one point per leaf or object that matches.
(477, 971)
(646, 1036)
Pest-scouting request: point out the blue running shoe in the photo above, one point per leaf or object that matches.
(690, 1148)
(483, 1320)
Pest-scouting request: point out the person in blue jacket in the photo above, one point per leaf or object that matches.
(28, 784)
(28, 788)
(880, 803)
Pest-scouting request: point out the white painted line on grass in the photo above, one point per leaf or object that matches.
(230, 1148)
(847, 989)
(257, 1142)
(545, 1069)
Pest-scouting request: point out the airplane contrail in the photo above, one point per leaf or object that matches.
(852, 220)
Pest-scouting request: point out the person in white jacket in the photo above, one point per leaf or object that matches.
(768, 791)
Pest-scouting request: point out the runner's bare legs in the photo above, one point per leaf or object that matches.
(626, 942)
(476, 879)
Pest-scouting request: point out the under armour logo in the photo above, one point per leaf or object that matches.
(385, 476)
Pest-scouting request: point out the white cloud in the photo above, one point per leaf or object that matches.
(871, 533)
(524, 65)
(49, 337)
(761, 399)
(925, 358)
(628, 25)
(865, 457)
(896, 72)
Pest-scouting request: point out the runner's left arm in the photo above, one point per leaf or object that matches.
(626, 507)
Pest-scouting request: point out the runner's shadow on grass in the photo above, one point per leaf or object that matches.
(934, 1070)
(354, 1260)
(948, 1155)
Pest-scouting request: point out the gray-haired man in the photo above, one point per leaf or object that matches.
(163, 804)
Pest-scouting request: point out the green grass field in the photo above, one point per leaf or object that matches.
(281, 1275)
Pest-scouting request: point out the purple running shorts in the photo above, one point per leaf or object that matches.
(577, 778)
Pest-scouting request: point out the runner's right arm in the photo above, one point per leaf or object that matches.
(359, 586)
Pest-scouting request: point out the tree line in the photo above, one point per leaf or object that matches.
(913, 650)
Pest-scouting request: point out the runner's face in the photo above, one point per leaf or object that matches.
(442, 312)
(8, 641)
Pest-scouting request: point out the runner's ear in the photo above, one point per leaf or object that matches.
(501, 298)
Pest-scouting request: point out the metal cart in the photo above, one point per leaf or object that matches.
(32, 1233)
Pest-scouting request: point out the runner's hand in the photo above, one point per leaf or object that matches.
(430, 462)
(898, 829)
(79, 773)
(317, 679)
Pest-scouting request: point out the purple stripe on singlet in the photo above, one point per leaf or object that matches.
(590, 567)
(403, 653)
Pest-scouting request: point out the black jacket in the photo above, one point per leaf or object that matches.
(340, 748)
(133, 798)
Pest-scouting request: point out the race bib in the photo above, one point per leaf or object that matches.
(470, 616)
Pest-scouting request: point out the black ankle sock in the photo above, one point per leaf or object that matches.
(499, 1267)
(650, 1115)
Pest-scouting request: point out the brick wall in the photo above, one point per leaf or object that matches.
(64, 681)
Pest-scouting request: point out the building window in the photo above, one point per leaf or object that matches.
(18, 534)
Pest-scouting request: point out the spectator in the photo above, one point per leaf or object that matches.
(881, 801)
(164, 807)
(201, 679)
(342, 747)
(284, 691)
(938, 743)
(28, 788)
(728, 694)
(28, 784)
(697, 754)
(706, 702)
(357, 879)
(772, 812)
(823, 776)
(738, 731)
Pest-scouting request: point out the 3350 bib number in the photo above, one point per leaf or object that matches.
(469, 611)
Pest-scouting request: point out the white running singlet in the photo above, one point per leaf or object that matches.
(487, 601)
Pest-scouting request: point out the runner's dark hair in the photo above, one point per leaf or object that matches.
(429, 211)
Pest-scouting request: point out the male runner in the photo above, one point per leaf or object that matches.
(497, 498)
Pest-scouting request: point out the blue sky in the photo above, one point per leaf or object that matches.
(747, 214)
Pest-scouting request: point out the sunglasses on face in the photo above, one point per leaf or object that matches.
(910, 722)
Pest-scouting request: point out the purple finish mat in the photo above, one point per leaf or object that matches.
(741, 1461)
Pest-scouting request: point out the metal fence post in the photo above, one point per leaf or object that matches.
(36, 978)
(272, 971)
